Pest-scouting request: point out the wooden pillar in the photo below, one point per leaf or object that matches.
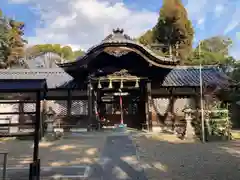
(90, 103)
(36, 161)
(69, 102)
(148, 108)
(97, 104)
(172, 101)
(43, 116)
(95, 100)
(142, 106)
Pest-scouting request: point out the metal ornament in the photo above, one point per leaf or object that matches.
(121, 85)
(110, 84)
(137, 84)
(99, 84)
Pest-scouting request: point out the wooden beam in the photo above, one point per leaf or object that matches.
(12, 113)
(16, 124)
(18, 102)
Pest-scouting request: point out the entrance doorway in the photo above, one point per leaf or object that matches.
(111, 110)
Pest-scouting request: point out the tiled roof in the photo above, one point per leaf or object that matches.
(21, 85)
(55, 77)
(190, 76)
(180, 76)
(119, 38)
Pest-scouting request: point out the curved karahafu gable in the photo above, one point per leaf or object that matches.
(119, 44)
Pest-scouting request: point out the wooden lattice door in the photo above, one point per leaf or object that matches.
(131, 113)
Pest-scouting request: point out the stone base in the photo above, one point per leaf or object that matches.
(120, 127)
(157, 129)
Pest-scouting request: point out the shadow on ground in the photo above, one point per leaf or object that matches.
(189, 161)
(118, 161)
(76, 151)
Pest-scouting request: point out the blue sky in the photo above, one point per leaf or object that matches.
(209, 17)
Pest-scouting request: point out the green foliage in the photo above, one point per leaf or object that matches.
(219, 123)
(16, 41)
(235, 74)
(146, 38)
(174, 28)
(65, 52)
(77, 54)
(217, 127)
(4, 45)
(213, 51)
(217, 44)
(11, 41)
(205, 58)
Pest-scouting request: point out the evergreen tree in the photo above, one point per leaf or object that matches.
(4, 45)
(65, 52)
(11, 41)
(174, 28)
(214, 51)
(16, 42)
(146, 38)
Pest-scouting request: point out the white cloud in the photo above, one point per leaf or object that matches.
(83, 23)
(201, 24)
(234, 22)
(238, 35)
(19, 1)
(219, 10)
(196, 10)
(201, 21)
(235, 53)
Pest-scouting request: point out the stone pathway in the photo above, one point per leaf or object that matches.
(118, 161)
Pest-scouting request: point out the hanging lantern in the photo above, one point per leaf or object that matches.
(121, 85)
(110, 84)
(137, 84)
(99, 84)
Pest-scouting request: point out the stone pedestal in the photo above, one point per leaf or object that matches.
(49, 123)
(190, 132)
(50, 127)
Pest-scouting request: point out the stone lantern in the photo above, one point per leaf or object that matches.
(50, 119)
(188, 115)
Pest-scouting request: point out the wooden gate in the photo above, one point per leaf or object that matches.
(112, 112)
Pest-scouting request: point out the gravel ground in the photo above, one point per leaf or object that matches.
(77, 152)
(70, 151)
(164, 160)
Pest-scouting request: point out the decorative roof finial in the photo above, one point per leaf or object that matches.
(118, 30)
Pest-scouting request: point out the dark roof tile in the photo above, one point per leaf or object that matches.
(55, 77)
(180, 76)
(20, 85)
(190, 76)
